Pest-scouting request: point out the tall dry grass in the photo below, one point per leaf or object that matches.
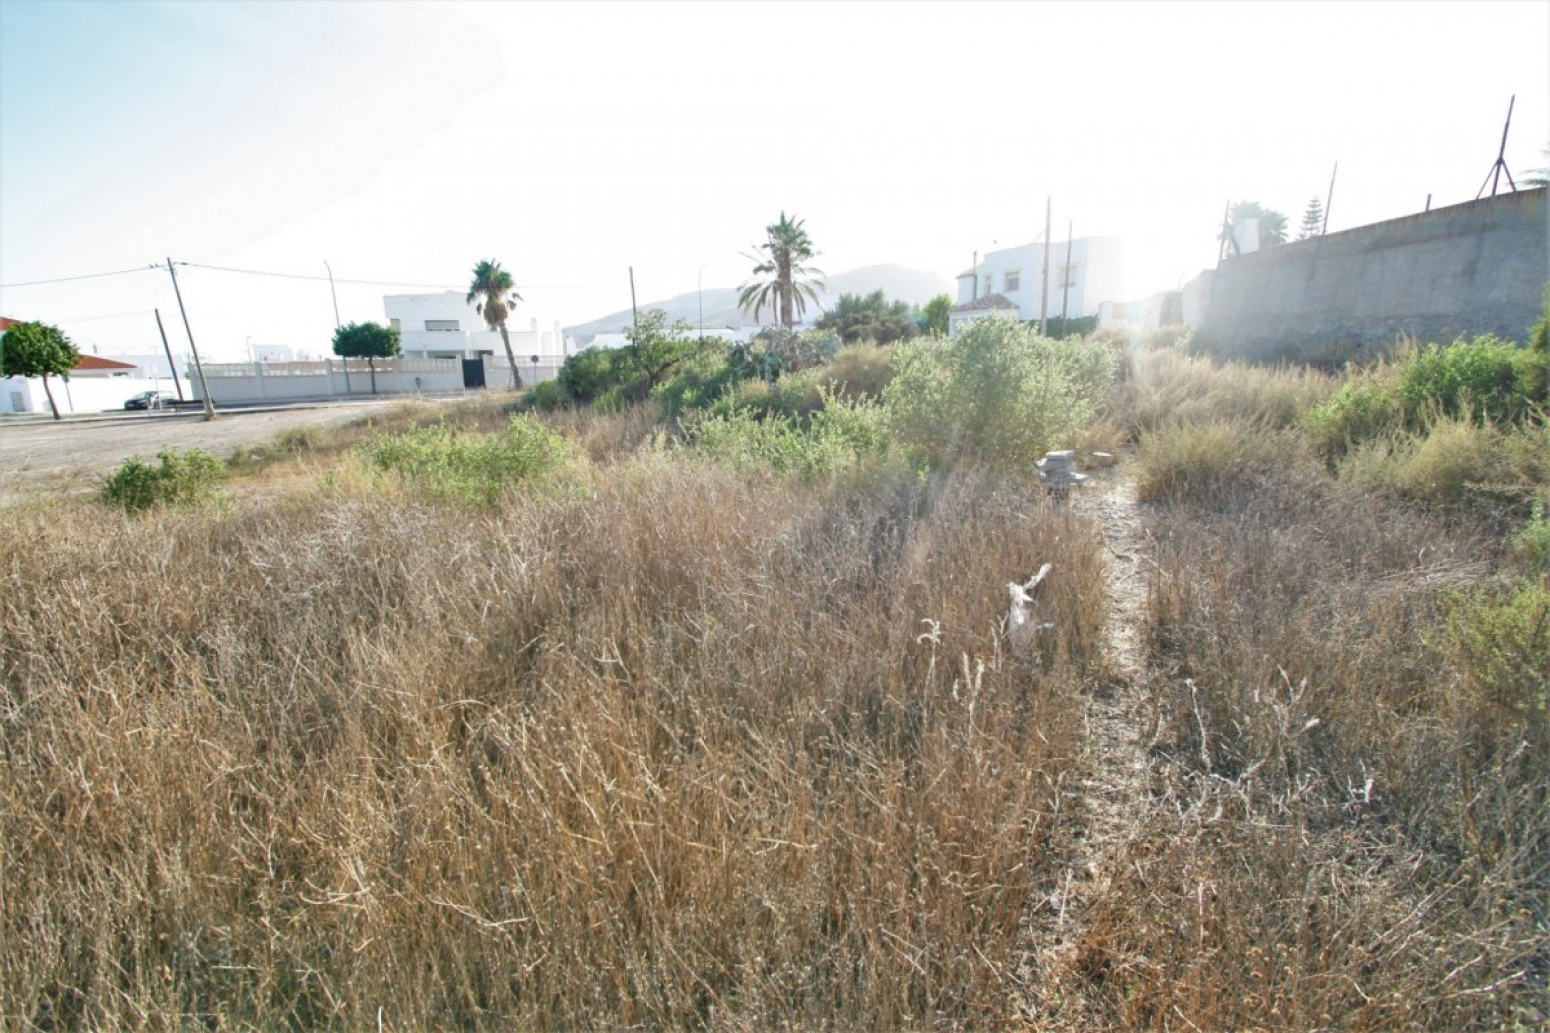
(677, 751)
(1354, 833)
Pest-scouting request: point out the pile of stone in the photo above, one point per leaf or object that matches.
(1057, 470)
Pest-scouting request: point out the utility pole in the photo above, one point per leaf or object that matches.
(974, 271)
(176, 383)
(1494, 177)
(335, 295)
(204, 387)
(634, 313)
(1044, 299)
(1329, 199)
(332, 293)
(1065, 283)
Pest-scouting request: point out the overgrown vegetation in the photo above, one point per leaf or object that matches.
(695, 709)
(191, 477)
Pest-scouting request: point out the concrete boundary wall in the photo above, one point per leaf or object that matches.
(329, 378)
(1468, 269)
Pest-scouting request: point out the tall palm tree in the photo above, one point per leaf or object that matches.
(497, 295)
(780, 259)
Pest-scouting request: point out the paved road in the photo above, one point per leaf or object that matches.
(72, 455)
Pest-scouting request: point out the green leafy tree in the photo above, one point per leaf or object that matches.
(369, 341)
(655, 348)
(493, 294)
(995, 393)
(781, 259)
(869, 317)
(1312, 220)
(37, 350)
(1272, 224)
(936, 311)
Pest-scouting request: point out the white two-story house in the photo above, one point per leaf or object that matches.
(447, 326)
(1083, 275)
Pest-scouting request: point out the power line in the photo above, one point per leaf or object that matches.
(84, 276)
(378, 283)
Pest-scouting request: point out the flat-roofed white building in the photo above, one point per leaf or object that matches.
(447, 326)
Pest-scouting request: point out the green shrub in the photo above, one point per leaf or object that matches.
(1533, 542)
(189, 478)
(469, 469)
(843, 434)
(548, 395)
(589, 373)
(859, 369)
(994, 393)
(1359, 411)
(1492, 379)
(700, 378)
(1498, 640)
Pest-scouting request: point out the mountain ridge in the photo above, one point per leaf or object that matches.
(899, 283)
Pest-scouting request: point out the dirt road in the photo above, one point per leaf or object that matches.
(73, 456)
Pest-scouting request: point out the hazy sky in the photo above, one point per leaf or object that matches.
(403, 142)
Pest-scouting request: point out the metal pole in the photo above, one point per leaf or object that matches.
(1044, 300)
(168, 349)
(204, 386)
(1329, 199)
(1065, 283)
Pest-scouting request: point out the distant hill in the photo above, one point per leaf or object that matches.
(912, 285)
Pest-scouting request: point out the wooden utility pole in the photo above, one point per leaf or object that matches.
(1065, 281)
(173, 366)
(1329, 199)
(634, 314)
(1044, 300)
(204, 387)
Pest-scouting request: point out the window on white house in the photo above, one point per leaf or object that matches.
(990, 283)
(442, 324)
(1013, 279)
(394, 324)
(1069, 274)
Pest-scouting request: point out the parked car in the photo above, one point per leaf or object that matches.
(151, 400)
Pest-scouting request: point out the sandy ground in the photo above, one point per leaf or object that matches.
(75, 455)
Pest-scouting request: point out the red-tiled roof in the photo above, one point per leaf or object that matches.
(90, 362)
(6, 324)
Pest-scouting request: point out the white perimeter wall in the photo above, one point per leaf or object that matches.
(249, 382)
(80, 394)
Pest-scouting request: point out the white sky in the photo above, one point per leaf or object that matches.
(405, 142)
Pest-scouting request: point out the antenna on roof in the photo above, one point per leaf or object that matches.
(1495, 175)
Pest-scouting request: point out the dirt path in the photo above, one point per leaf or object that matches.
(1107, 804)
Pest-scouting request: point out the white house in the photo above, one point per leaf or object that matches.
(985, 305)
(1094, 272)
(446, 326)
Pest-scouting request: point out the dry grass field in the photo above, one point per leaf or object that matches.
(657, 741)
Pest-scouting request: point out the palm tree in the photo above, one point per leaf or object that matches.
(780, 259)
(498, 296)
